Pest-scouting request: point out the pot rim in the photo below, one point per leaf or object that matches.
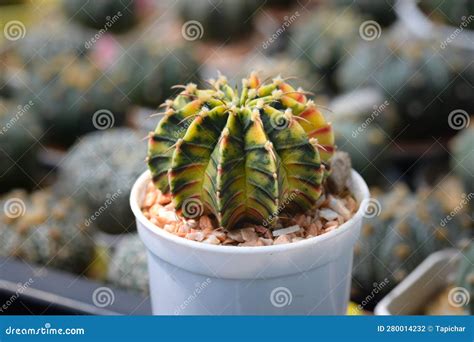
(158, 232)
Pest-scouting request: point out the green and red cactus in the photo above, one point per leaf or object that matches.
(241, 154)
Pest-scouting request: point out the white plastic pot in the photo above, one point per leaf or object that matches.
(309, 277)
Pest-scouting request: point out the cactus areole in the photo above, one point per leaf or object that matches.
(241, 156)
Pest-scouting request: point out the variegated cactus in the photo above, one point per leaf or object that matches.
(241, 156)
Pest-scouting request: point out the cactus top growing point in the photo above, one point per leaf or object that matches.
(241, 156)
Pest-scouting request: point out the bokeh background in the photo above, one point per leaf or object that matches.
(81, 82)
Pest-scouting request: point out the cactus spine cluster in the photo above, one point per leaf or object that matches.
(241, 154)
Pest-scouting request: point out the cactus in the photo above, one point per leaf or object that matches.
(462, 157)
(363, 121)
(19, 133)
(219, 20)
(147, 72)
(240, 155)
(409, 228)
(53, 38)
(424, 81)
(422, 230)
(287, 67)
(323, 44)
(451, 12)
(465, 275)
(68, 92)
(99, 172)
(116, 16)
(128, 265)
(373, 232)
(11, 82)
(44, 229)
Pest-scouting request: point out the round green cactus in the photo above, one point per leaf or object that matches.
(423, 80)
(323, 44)
(451, 12)
(19, 133)
(217, 20)
(99, 172)
(53, 38)
(44, 229)
(408, 229)
(367, 250)
(73, 96)
(146, 73)
(128, 265)
(240, 155)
